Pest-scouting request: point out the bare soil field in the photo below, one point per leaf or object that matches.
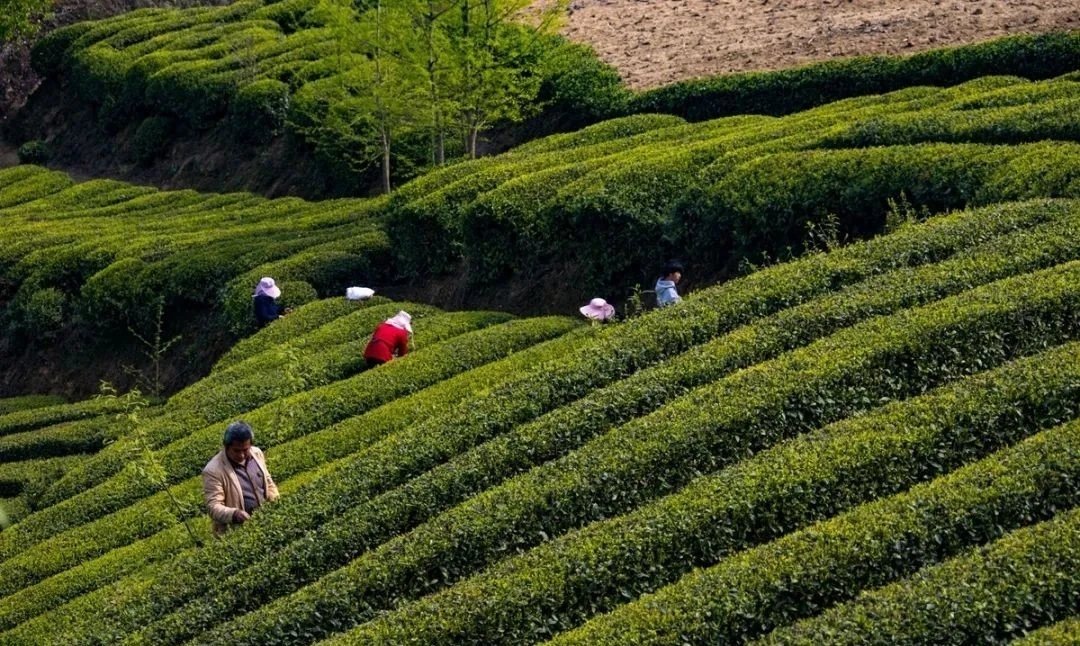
(655, 42)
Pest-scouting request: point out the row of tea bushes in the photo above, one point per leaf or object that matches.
(759, 294)
(567, 428)
(883, 358)
(1027, 578)
(778, 491)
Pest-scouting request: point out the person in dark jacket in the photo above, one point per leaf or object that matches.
(391, 337)
(266, 309)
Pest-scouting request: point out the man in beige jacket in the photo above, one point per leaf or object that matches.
(236, 481)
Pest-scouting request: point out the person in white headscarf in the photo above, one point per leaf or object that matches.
(391, 337)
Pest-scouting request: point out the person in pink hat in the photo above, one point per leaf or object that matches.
(598, 310)
(266, 307)
(391, 337)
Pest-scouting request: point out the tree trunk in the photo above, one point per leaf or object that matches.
(386, 162)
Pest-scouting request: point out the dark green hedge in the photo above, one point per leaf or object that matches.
(786, 91)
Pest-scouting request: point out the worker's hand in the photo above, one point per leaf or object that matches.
(287, 311)
(239, 516)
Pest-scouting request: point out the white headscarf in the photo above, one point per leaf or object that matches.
(401, 321)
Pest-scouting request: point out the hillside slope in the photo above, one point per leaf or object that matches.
(96, 258)
(510, 481)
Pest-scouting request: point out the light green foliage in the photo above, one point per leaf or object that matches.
(708, 428)
(366, 84)
(734, 190)
(20, 18)
(27, 402)
(722, 470)
(111, 252)
(554, 586)
(1024, 579)
(1066, 631)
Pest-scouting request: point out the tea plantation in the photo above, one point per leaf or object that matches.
(874, 418)
(869, 433)
(725, 192)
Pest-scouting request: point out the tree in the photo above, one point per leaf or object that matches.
(428, 18)
(395, 86)
(20, 18)
(498, 50)
(380, 93)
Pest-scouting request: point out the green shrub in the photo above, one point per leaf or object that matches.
(578, 88)
(116, 292)
(288, 14)
(84, 436)
(279, 421)
(282, 521)
(97, 74)
(767, 204)
(189, 92)
(48, 53)
(31, 477)
(29, 602)
(259, 109)
(26, 189)
(722, 307)
(28, 402)
(1025, 579)
(599, 133)
(45, 312)
(505, 230)
(1066, 631)
(295, 293)
(305, 319)
(151, 139)
(38, 417)
(334, 352)
(34, 152)
(556, 585)
(12, 510)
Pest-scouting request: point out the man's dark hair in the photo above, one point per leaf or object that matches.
(238, 432)
(673, 266)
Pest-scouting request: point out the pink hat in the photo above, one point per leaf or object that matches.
(598, 309)
(267, 286)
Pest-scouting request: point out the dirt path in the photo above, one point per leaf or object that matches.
(654, 42)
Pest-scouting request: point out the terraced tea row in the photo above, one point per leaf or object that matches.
(1027, 578)
(567, 428)
(555, 586)
(266, 68)
(705, 189)
(1043, 243)
(427, 506)
(321, 407)
(696, 188)
(710, 427)
(176, 246)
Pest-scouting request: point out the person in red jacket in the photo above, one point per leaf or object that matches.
(390, 338)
